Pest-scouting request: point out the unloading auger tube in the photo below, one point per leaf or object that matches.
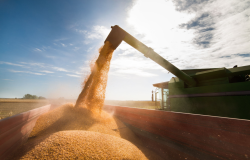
(116, 36)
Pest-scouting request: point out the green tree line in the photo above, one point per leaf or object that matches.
(29, 96)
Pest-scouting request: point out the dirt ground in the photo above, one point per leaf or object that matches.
(10, 107)
(136, 104)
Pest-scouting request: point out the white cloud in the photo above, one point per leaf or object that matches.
(35, 73)
(139, 62)
(89, 49)
(41, 68)
(132, 71)
(47, 71)
(48, 56)
(37, 50)
(86, 42)
(60, 69)
(124, 46)
(157, 24)
(73, 75)
(12, 64)
(42, 65)
(232, 31)
(64, 45)
(46, 67)
(84, 70)
(76, 48)
(97, 32)
(134, 64)
(78, 73)
(81, 31)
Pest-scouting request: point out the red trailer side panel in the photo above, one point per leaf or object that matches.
(182, 135)
(15, 130)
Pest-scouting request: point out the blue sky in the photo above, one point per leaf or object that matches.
(46, 46)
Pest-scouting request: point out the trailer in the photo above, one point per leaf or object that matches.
(172, 135)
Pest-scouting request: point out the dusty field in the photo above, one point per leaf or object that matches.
(23, 101)
(135, 104)
(10, 107)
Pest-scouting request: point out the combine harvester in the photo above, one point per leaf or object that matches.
(217, 92)
(193, 122)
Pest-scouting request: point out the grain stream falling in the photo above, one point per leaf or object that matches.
(93, 94)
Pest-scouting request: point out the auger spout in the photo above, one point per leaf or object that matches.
(117, 35)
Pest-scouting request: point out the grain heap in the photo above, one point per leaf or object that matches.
(67, 117)
(84, 145)
(84, 131)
